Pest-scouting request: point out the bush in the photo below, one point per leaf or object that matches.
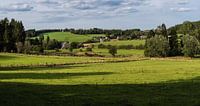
(53, 44)
(73, 45)
(89, 49)
(157, 46)
(190, 46)
(112, 50)
(102, 46)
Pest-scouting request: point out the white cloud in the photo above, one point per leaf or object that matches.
(66, 11)
(182, 9)
(18, 7)
(183, 2)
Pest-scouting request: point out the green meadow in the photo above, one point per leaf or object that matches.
(99, 81)
(67, 36)
(125, 42)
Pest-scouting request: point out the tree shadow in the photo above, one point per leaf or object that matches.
(5, 57)
(4, 76)
(172, 93)
(40, 68)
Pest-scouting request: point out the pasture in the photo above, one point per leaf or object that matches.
(67, 36)
(120, 52)
(123, 42)
(139, 82)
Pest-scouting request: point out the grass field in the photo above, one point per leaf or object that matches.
(120, 52)
(67, 36)
(145, 82)
(8, 59)
(125, 42)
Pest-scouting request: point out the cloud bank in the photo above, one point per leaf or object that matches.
(73, 11)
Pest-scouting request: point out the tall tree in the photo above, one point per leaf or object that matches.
(150, 34)
(191, 46)
(11, 33)
(173, 42)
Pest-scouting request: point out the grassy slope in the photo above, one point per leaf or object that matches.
(67, 36)
(146, 82)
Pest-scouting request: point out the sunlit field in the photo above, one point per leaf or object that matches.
(125, 42)
(67, 36)
(142, 81)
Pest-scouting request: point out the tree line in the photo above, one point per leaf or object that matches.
(175, 41)
(12, 34)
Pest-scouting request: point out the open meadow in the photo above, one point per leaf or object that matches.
(123, 42)
(99, 81)
(68, 36)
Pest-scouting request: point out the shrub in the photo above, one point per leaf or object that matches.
(190, 46)
(53, 44)
(112, 50)
(102, 46)
(89, 49)
(157, 46)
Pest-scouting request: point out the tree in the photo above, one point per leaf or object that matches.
(150, 34)
(19, 46)
(162, 30)
(173, 42)
(191, 46)
(112, 50)
(72, 46)
(157, 46)
(53, 44)
(11, 33)
(48, 39)
(27, 47)
(41, 38)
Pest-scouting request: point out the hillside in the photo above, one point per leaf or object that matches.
(67, 36)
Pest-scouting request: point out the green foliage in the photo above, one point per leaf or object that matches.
(53, 44)
(186, 28)
(112, 50)
(157, 46)
(161, 30)
(41, 38)
(73, 45)
(11, 32)
(150, 34)
(191, 46)
(89, 49)
(48, 39)
(173, 42)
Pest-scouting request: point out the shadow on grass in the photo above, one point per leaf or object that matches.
(40, 68)
(4, 76)
(176, 93)
(5, 57)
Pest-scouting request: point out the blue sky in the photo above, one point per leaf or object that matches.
(125, 14)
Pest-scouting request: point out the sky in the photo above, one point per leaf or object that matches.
(107, 14)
